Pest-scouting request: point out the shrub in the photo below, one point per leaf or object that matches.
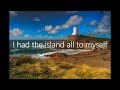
(16, 61)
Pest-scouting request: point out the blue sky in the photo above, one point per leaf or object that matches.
(56, 25)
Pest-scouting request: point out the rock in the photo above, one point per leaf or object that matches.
(58, 55)
(73, 38)
(47, 55)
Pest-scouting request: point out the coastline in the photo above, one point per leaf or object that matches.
(66, 51)
(94, 64)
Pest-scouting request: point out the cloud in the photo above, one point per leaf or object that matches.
(48, 28)
(106, 20)
(100, 31)
(52, 30)
(36, 19)
(16, 32)
(73, 21)
(27, 36)
(100, 26)
(47, 37)
(13, 13)
(71, 12)
(104, 26)
(93, 23)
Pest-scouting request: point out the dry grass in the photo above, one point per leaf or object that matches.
(87, 72)
(55, 70)
(92, 66)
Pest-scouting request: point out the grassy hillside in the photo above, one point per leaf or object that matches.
(81, 66)
(83, 38)
(95, 64)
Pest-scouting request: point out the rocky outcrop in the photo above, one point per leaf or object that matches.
(73, 38)
(57, 55)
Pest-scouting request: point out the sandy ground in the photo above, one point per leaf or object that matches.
(99, 58)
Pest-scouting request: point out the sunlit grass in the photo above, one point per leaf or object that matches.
(51, 69)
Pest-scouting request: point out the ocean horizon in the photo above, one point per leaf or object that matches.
(39, 52)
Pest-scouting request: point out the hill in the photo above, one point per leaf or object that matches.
(83, 38)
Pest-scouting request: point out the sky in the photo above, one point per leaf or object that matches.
(57, 25)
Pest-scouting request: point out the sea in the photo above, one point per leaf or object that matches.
(39, 52)
(15, 50)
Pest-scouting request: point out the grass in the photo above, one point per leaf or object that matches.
(86, 72)
(52, 69)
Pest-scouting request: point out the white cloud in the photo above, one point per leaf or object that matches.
(71, 12)
(57, 27)
(58, 37)
(52, 31)
(16, 32)
(48, 27)
(106, 20)
(100, 31)
(100, 26)
(13, 13)
(36, 19)
(93, 23)
(27, 36)
(74, 20)
(104, 27)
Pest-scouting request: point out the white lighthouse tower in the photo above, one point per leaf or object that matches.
(75, 31)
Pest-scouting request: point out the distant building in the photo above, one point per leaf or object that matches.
(75, 31)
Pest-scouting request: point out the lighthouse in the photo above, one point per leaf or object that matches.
(75, 31)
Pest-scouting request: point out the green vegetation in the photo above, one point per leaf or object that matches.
(27, 68)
